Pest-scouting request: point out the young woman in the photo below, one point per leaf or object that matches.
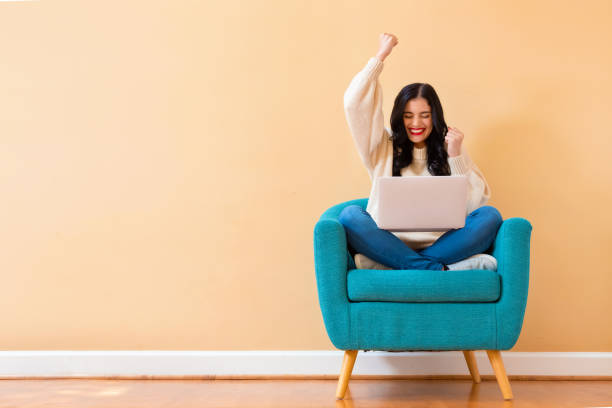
(418, 143)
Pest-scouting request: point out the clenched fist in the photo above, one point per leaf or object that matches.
(453, 138)
(387, 42)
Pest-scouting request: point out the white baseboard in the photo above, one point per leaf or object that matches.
(219, 363)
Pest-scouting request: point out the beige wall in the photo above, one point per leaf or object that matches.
(163, 163)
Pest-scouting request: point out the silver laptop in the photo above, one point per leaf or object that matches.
(422, 203)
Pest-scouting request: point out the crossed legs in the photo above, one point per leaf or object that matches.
(364, 236)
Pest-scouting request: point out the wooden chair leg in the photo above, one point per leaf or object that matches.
(470, 359)
(347, 368)
(500, 373)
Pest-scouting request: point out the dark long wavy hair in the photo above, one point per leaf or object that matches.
(437, 157)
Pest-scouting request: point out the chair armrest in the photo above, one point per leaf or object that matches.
(512, 251)
(331, 268)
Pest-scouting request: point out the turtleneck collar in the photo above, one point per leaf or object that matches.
(419, 154)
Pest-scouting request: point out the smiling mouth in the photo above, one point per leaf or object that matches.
(417, 132)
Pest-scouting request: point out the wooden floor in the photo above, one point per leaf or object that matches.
(72, 393)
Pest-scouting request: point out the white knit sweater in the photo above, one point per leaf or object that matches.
(363, 108)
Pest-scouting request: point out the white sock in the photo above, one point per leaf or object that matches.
(478, 261)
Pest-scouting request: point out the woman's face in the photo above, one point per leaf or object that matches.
(417, 120)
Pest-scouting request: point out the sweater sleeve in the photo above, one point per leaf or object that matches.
(478, 188)
(363, 109)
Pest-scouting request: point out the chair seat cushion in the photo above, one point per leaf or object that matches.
(378, 285)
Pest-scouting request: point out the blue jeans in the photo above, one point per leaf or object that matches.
(380, 245)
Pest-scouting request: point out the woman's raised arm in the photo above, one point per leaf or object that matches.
(363, 104)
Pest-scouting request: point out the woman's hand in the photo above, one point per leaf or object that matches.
(387, 42)
(453, 138)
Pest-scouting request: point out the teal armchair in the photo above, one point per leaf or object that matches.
(410, 310)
